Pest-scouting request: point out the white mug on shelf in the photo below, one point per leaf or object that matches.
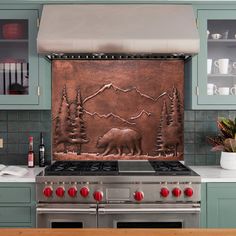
(223, 65)
(208, 33)
(223, 90)
(234, 64)
(216, 36)
(225, 34)
(209, 66)
(211, 89)
(233, 90)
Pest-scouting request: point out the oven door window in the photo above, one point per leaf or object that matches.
(66, 224)
(152, 225)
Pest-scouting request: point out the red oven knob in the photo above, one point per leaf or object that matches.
(72, 191)
(60, 191)
(98, 195)
(188, 192)
(47, 192)
(164, 192)
(84, 192)
(176, 192)
(138, 196)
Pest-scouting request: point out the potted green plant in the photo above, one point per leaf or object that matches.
(225, 142)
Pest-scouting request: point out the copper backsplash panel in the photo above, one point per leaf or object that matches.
(117, 109)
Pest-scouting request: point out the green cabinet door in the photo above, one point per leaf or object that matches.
(17, 205)
(19, 62)
(221, 205)
(213, 75)
(25, 76)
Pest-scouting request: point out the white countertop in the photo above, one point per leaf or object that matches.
(27, 178)
(214, 174)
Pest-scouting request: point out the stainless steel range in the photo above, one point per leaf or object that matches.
(118, 194)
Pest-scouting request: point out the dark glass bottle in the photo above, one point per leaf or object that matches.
(31, 156)
(41, 151)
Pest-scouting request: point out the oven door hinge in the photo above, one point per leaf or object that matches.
(197, 91)
(38, 22)
(38, 91)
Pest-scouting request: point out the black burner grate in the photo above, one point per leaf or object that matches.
(67, 168)
(170, 168)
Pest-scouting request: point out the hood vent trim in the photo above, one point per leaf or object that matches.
(118, 28)
(115, 56)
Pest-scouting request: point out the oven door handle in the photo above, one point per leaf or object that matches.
(148, 210)
(65, 210)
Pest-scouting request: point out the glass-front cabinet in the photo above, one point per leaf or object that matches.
(214, 68)
(19, 76)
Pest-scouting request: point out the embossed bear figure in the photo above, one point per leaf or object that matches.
(119, 139)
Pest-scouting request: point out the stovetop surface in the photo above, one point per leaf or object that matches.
(81, 168)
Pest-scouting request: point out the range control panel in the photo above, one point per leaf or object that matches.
(137, 192)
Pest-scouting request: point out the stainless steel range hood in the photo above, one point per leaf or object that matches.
(132, 29)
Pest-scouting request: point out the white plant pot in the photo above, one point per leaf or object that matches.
(228, 160)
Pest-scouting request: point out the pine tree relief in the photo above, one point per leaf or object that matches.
(82, 135)
(163, 124)
(173, 133)
(73, 131)
(175, 109)
(70, 128)
(62, 121)
(169, 135)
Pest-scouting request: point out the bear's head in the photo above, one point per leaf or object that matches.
(101, 143)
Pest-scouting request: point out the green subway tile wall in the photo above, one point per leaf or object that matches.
(197, 126)
(17, 126)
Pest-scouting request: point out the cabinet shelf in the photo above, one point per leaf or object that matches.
(14, 40)
(231, 43)
(221, 40)
(221, 75)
